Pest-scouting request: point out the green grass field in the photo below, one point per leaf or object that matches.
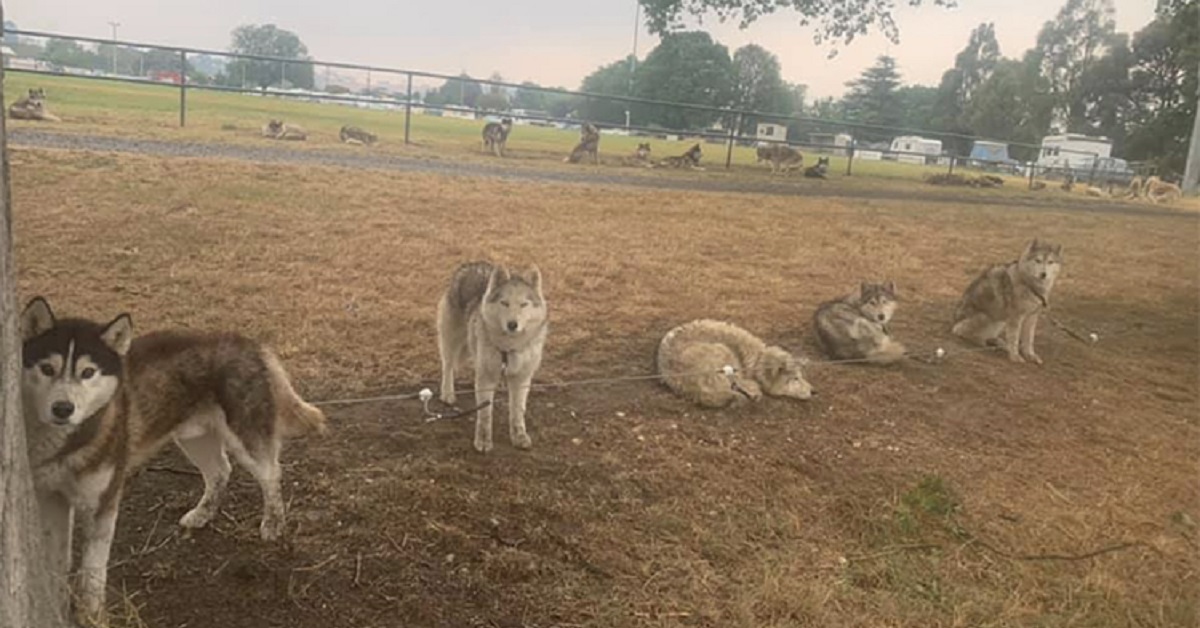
(152, 111)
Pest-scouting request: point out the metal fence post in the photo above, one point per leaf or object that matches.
(182, 88)
(408, 108)
(850, 157)
(1092, 174)
(951, 165)
(729, 148)
(1032, 171)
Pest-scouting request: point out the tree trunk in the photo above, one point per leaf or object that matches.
(1191, 175)
(28, 597)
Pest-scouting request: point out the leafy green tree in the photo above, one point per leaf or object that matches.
(1105, 94)
(270, 41)
(758, 85)
(918, 104)
(528, 97)
(1014, 103)
(686, 67)
(1166, 55)
(495, 97)
(833, 20)
(1081, 33)
(67, 53)
(873, 97)
(828, 108)
(493, 101)
(460, 90)
(973, 65)
(561, 105)
(614, 79)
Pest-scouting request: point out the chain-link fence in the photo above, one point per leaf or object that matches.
(849, 146)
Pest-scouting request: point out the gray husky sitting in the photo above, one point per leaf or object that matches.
(1006, 300)
(855, 327)
(499, 320)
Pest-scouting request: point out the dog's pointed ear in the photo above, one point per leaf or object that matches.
(535, 280)
(36, 319)
(1029, 248)
(863, 289)
(890, 286)
(1058, 250)
(118, 334)
(499, 275)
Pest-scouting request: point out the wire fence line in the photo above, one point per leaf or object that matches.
(843, 138)
(937, 355)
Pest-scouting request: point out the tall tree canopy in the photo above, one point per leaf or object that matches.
(833, 20)
(1014, 103)
(270, 41)
(1081, 33)
(460, 90)
(685, 67)
(758, 84)
(873, 97)
(1166, 55)
(973, 65)
(614, 79)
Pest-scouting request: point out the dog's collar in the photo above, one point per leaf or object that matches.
(1040, 297)
(1029, 286)
(503, 361)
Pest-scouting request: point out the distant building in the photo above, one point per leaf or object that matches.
(770, 131)
(1073, 150)
(838, 143)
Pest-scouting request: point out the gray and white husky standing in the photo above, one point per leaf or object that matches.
(499, 320)
(99, 403)
(1006, 300)
(855, 327)
(495, 136)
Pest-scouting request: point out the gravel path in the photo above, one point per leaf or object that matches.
(35, 138)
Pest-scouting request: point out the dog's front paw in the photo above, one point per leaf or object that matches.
(1032, 357)
(483, 446)
(449, 398)
(522, 441)
(271, 528)
(197, 517)
(1016, 358)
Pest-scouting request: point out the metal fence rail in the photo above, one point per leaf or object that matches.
(734, 118)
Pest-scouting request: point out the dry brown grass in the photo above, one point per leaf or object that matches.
(895, 500)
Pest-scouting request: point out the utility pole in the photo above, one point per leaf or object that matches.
(1191, 174)
(114, 26)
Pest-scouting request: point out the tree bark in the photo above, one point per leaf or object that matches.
(1191, 175)
(28, 596)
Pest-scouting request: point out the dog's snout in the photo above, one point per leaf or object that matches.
(62, 409)
(881, 317)
(1043, 275)
(812, 393)
(512, 325)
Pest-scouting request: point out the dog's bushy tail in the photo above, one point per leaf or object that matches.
(296, 416)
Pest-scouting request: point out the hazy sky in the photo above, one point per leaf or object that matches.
(552, 42)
